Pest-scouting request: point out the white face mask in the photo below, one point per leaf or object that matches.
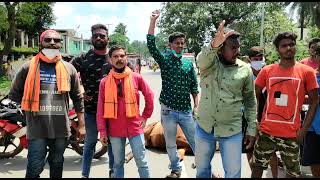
(50, 53)
(257, 65)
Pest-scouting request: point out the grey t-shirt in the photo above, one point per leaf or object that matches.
(52, 119)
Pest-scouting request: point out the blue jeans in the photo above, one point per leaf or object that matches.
(138, 151)
(37, 152)
(90, 144)
(169, 120)
(230, 149)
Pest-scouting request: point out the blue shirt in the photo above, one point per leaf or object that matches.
(316, 119)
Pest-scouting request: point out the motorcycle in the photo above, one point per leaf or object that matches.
(13, 131)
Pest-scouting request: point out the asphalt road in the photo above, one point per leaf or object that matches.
(158, 160)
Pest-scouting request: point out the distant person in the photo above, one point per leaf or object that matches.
(138, 66)
(43, 86)
(179, 81)
(118, 106)
(280, 129)
(311, 145)
(312, 60)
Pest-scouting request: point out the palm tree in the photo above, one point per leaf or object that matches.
(308, 13)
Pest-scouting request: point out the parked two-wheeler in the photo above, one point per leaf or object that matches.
(13, 131)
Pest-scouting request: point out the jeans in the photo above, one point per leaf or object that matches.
(139, 153)
(37, 152)
(90, 144)
(230, 149)
(169, 120)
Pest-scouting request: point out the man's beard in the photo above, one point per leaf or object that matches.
(289, 57)
(100, 45)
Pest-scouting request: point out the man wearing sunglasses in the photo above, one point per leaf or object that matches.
(43, 87)
(93, 66)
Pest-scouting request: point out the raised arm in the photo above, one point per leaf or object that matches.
(208, 55)
(155, 53)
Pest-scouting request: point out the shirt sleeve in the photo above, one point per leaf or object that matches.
(17, 85)
(207, 57)
(194, 81)
(101, 121)
(75, 92)
(154, 51)
(250, 103)
(311, 81)
(261, 78)
(77, 62)
(148, 96)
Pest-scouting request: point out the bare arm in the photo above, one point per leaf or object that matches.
(153, 20)
(313, 99)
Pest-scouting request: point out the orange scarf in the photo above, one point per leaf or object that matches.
(111, 95)
(30, 99)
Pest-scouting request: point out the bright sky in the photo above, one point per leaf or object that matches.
(80, 16)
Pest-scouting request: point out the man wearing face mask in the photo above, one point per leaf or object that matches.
(118, 105)
(43, 87)
(179, 80)
(226, 86)
(93, 66)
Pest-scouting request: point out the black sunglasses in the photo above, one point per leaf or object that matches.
(95, 36)
(48, 40)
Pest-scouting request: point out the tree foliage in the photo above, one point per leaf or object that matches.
(140, 47)
(31, 17)
(308, 14)
(121, 29)
(199, 20)
(35, 17)
(119, 36)
(4, 25)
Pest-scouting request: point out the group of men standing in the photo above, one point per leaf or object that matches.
(231, 92)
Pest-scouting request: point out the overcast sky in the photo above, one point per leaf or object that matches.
(82, 15)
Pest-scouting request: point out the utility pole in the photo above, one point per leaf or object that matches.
(109, 26)
(262, 27)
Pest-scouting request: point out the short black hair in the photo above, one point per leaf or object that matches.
(314, 41)
(176, 35)
(98, 26)
(114, 48)
(255, 51)
(284, 35)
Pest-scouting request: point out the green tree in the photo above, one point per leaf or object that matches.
(3, 20)
(11, 18)
(119, 37)
(198, 20)
(140, 47)
(121, 29)
(35, 17)
(314, 32)
(32, 17)
(308, 14)
(162, 41)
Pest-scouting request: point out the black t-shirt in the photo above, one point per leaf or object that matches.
(92, 68)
